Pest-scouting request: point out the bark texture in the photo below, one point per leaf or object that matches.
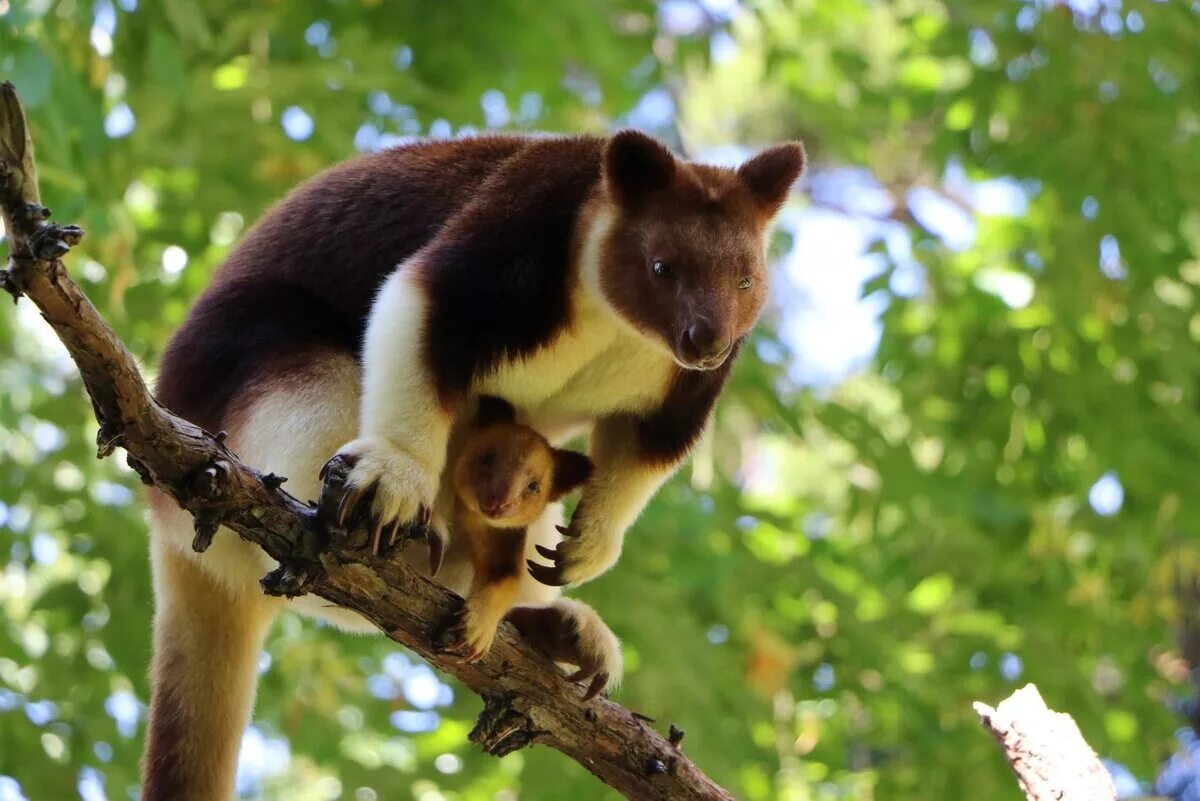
(1046, 750)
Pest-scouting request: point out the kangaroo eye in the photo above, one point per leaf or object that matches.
(662, 269)
(487, 459)
(535, 486)
(746, 283)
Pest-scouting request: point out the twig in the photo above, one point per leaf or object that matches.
(1045, 749)
(527, 700)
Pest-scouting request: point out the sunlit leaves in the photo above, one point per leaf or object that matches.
(1003, 494)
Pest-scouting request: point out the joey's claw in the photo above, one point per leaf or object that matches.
(549, 575)
(549, 553)
(457, 646)
(462, 636)
(448, 633)
(464, 650)
(566, 531)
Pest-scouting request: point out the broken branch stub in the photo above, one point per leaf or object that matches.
(1046, 750)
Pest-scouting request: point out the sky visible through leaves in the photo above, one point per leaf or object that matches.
(959, 455)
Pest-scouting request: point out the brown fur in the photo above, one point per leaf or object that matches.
(206, 645)
(504, 475)
(501, 462)
(307, 271)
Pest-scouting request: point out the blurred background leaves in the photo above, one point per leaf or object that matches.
(961, 454)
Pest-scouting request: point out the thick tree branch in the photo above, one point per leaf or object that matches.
(526, 698)
(1045, 749)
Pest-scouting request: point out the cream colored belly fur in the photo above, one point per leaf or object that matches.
(595, 369)
(291, 428)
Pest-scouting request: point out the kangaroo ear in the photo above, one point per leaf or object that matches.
(636, 164)
(770, 174)
(570, 470)
(494, 410)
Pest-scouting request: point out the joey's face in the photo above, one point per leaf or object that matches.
(683, 260)
(505, 474)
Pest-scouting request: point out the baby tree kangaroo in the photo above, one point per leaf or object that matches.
(503, 478)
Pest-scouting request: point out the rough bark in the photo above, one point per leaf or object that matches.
(1046, 750)
(526, 699)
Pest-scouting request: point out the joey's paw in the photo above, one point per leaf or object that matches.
(368, 484)
(468, 635)
(581, 556)
(570, 632)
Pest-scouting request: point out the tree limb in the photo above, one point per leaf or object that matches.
(526, 699)
(1045, 749)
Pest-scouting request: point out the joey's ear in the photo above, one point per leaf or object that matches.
(770, 174)
(570, 470)
(635, 164)
(494, 410)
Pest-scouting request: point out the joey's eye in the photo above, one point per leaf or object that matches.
(746, 283)
(535, 486)
(662, 269)
(487, 459)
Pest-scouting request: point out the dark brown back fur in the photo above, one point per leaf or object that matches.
(306, 274)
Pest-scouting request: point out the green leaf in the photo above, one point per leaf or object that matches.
(931, 594)
(31, 74)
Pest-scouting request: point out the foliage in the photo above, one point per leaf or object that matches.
(1000, 492)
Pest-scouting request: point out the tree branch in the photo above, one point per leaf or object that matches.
(1045, 749)
(526, 699)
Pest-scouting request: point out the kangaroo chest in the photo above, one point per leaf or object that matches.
(593, 369)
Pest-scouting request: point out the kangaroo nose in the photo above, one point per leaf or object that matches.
(700, 342)
(493, 506)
